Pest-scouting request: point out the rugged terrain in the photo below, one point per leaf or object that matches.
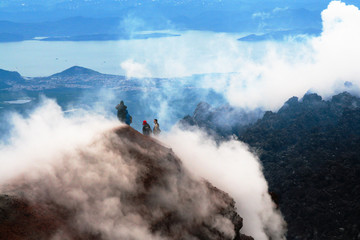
(310, 153)
(123, 186)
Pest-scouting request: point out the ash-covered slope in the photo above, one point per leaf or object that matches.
(122, 186)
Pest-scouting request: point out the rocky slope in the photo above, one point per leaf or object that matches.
(310, 153)
(123, 186)
(222, 121)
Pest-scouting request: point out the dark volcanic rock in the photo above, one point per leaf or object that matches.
(311, 158)
(222, 121)
(310, 154)
(134, 182)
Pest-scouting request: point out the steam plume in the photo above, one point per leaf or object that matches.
(108, 182)
(230, 166)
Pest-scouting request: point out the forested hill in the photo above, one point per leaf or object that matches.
(311, 158)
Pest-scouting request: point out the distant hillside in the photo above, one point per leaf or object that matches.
(126, 21)
(10, 76)
(311, 158)
(8, 79)
(281, 35)
(85, 78)
(75, 71)
(73, 26)
(74, 77)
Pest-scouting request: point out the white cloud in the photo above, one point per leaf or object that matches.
(135, 69)
(78, 163)
(320, 64)
(231, 167)
(263, 74)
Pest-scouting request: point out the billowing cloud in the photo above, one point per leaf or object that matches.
(231, 167)
(134, 69)
(263, 74)
(119, 184)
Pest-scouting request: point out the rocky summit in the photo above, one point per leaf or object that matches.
(122, 186)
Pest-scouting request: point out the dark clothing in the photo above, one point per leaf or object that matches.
(146, 129)
(156, 129)
(122, 113)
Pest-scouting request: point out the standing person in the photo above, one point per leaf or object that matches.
(146, 128)
(123, 114)
(156, 129)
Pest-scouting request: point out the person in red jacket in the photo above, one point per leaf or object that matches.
(146, 128)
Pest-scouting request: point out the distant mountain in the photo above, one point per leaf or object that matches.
(11, 37)
(281, 35)
(75, 26)
(311, 158)
(108, 37)
(75, 71)
(10, 76)
(76, 77)
(214, 16)
(8, 79)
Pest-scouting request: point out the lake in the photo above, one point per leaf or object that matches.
(193, 52)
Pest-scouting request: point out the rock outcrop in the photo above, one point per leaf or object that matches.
(222, 121)
(123, 186)
(310, 153)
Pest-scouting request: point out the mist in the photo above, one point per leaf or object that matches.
(232, 167)
(260, 74)
(76, 161)
(249, 74)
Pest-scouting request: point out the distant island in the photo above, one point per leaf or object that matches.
(75, 29)
(74, 77)
(281, 35)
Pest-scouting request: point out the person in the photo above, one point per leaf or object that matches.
(156, 129)
(123, 114)
(128, 119)
(146, 128)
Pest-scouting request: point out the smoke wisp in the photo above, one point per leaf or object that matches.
(110, 181)
(230, 166)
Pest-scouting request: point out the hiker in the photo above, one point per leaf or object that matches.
(123, 114)
(146, 128)
(128, 119)
(156, 129)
